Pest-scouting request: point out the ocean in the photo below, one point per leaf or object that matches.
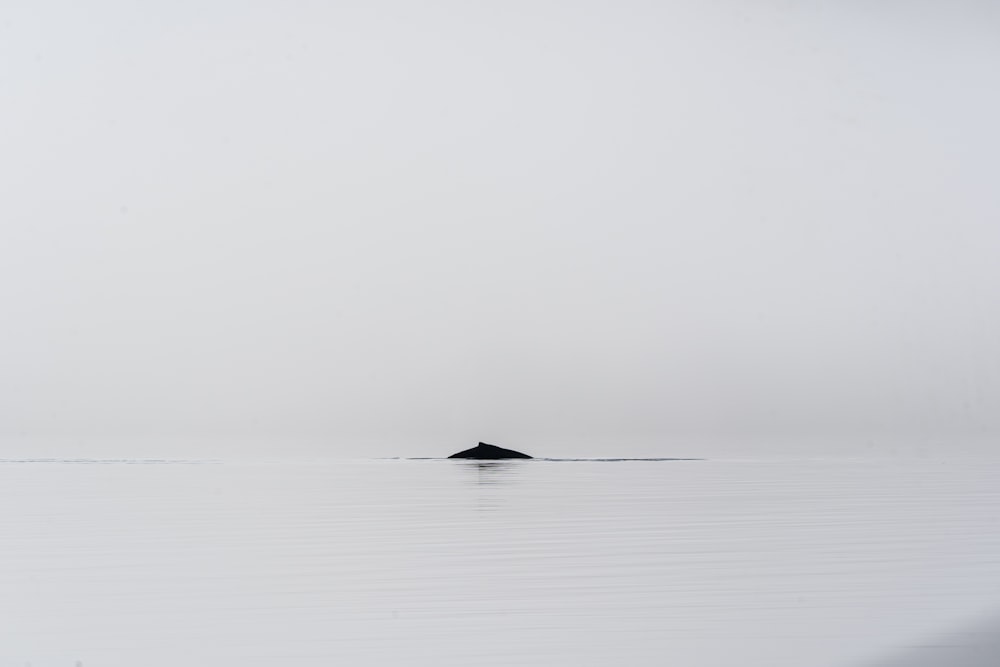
(858, 562)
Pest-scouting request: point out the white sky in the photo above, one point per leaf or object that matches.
(402, 227)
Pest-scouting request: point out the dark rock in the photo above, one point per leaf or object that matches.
(484, 451)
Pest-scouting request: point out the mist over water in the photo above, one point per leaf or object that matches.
(380, 224)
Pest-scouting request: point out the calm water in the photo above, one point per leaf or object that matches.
(710, 563)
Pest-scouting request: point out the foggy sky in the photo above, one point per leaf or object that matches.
(403, 227)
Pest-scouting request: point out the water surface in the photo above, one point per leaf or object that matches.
(451, 562)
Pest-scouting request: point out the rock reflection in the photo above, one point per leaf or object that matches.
(492, 473)
(493, 479)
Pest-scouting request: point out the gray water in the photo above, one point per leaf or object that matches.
(798, 563)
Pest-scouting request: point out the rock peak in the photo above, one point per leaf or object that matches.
(486, 451)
